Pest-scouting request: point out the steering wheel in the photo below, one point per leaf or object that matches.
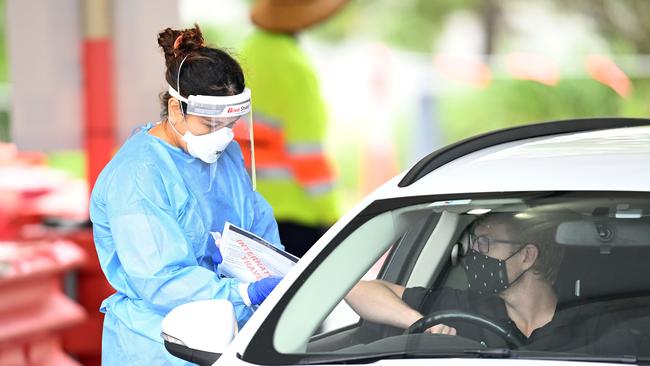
(506, 333)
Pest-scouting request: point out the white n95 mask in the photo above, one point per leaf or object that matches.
(208, 147)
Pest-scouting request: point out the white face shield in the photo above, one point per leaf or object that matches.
(218, 115)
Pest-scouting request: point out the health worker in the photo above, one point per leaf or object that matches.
(172, 184)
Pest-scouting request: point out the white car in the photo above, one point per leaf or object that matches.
(589, 177)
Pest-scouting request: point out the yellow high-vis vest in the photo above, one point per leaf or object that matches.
(290, 122)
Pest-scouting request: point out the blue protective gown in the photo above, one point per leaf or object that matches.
(153, 208)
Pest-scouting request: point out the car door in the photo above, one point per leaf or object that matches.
(391, 240)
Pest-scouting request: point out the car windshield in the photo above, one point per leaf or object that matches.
(541, 275)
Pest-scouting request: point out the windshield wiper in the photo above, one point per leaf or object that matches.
(542, 355)
(371, 357)
(470, 353)
(586, 358)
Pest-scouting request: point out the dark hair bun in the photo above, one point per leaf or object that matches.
(180, 43)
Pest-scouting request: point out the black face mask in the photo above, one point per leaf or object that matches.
(487, 275)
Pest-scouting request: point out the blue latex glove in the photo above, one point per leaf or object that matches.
(259, 290)
(215, 254)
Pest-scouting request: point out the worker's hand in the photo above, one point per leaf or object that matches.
(441, 329)
(259, 290)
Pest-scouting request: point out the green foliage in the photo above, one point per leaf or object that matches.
(344, 24)
(407, 24)
(5, 133)
(467, 111)
(4, 57)
(624, 24)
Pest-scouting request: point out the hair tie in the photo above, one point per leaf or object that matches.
(177, 42)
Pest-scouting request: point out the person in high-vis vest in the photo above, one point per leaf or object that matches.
(290, 121)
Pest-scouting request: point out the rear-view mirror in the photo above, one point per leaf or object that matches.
(605, 232)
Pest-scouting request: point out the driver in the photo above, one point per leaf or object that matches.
(511, 266)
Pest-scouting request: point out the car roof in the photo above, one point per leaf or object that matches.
(581, 155)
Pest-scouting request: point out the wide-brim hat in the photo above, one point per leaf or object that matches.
(292, 15)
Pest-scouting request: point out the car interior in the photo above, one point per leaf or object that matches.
(605, 238)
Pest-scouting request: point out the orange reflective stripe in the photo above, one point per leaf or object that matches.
(303, 162)
(269, 145)
(310, 169)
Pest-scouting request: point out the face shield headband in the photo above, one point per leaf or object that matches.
(210, 106)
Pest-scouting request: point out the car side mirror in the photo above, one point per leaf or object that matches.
(199, 331)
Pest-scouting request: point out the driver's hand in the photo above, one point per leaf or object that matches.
(441, 329)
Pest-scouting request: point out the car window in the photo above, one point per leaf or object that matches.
(331, 280)
(342, 315)
(576, 261)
